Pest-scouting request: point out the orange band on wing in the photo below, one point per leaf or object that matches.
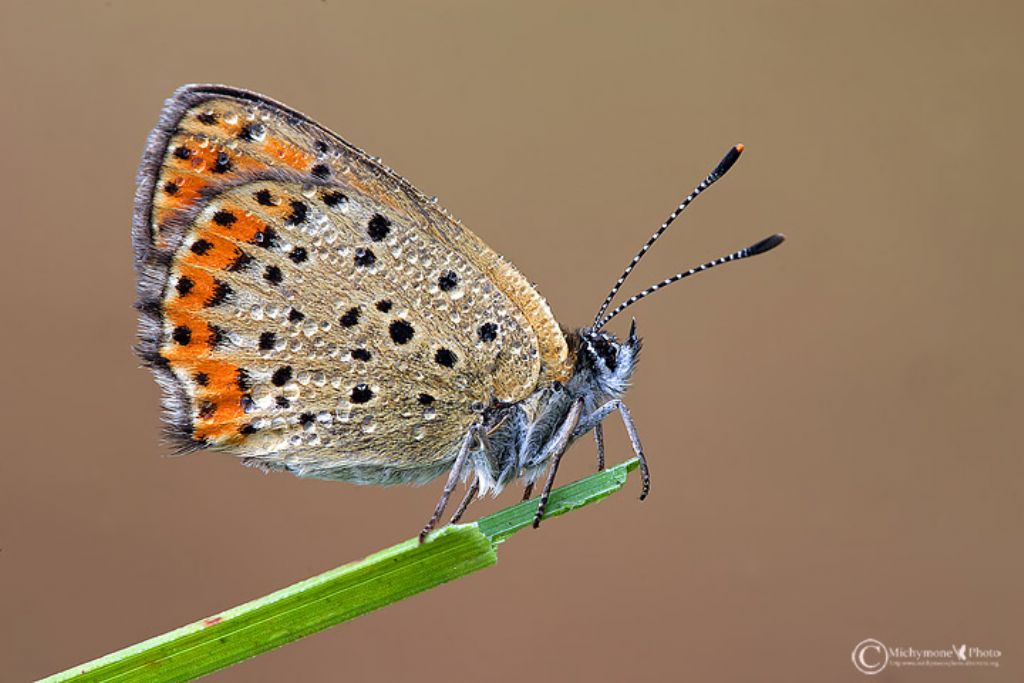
(287, 153)
(219, 403)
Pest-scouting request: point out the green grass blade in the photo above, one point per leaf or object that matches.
(334, 596)
(504, 523)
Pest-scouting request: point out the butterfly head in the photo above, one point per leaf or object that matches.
(606, 364)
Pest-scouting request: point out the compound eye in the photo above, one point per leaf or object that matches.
(607, 352)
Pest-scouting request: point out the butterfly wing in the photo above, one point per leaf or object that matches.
(306, 308)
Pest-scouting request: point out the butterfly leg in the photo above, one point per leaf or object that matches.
(466, 500)
(593, 421)
(555, 449)
(528, 490)
(638, 450)
(453, 479)
(599, 438)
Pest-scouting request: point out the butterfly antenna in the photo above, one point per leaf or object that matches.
(720, 170)
(764, 245)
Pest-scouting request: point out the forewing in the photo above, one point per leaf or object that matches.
(305, 306)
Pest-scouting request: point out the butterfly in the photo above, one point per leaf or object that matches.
(306, 309)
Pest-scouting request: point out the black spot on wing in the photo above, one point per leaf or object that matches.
(241, 262)
(445, 358)
(223, 163)
(182, 334)
(351, 317)
(217, 336)
(361, 393)
(266, 238)
(333, 199)
(281, 376)
(252, 131)
(201, 246)
(378, 227)
(487, 332)
(298, 214)
(365, 257)
(448, 281)
(401, 331)
(224, 218)
(273, 275)
(221, 292)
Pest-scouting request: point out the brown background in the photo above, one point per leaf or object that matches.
(832, 427)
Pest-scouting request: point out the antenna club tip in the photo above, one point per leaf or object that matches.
(727, 161)
(767, 244)
(739, 147)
